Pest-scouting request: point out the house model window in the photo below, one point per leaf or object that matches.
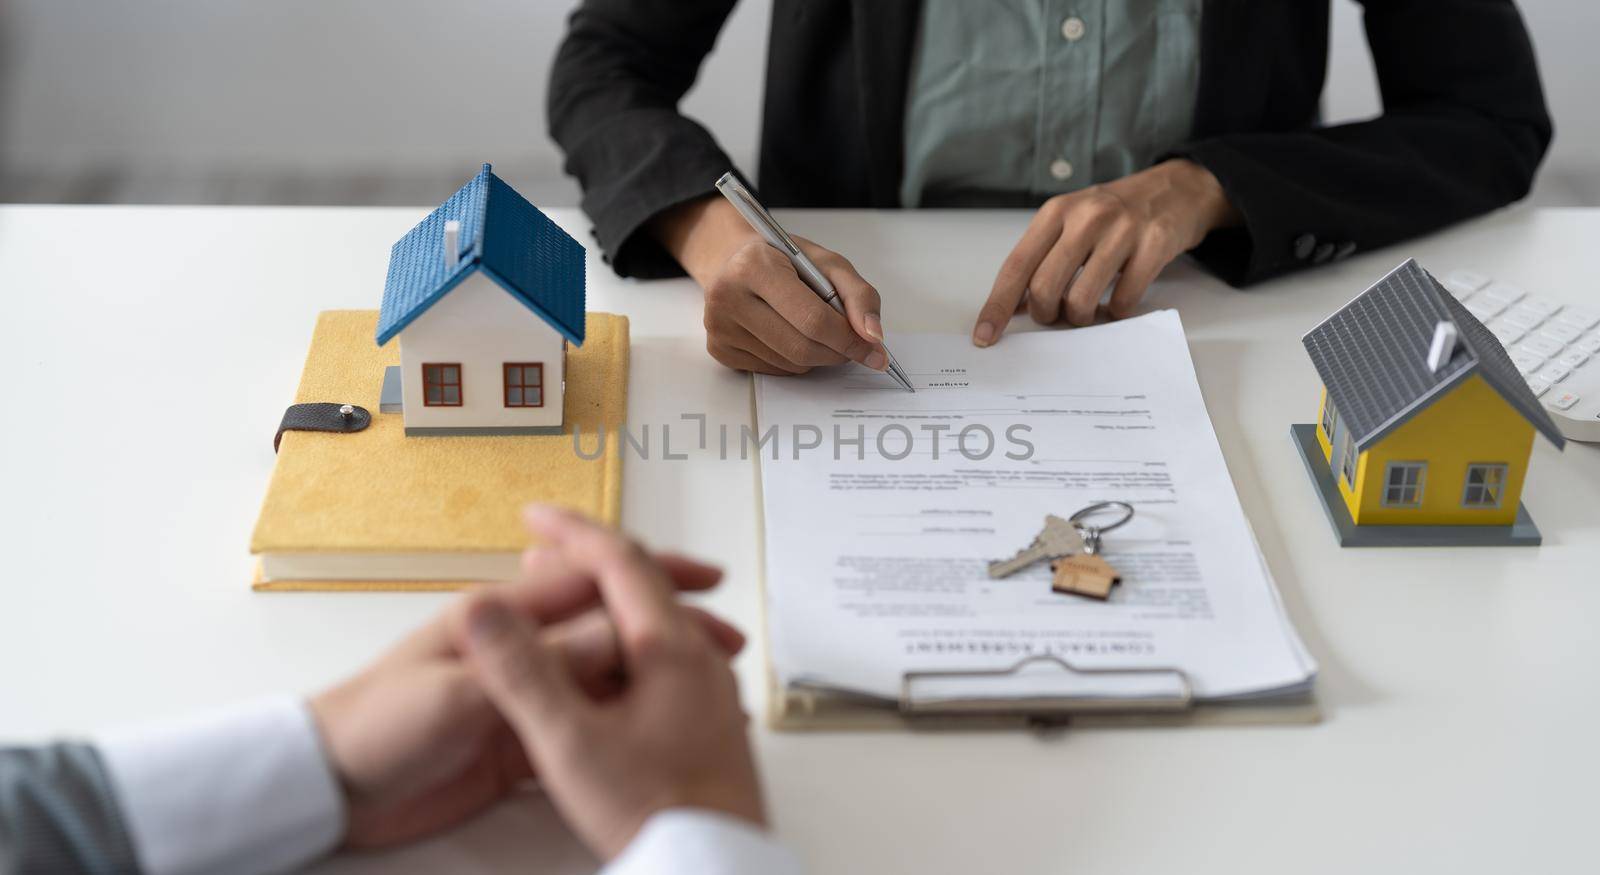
(1330, 417)
(1486, 485)
(1402, 484)
(524, 384)
(441, 385)
(1347, 464)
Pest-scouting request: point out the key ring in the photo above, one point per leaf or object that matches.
(1091, 534)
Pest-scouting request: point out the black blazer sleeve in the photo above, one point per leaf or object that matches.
(613, 109)
(1464, 128)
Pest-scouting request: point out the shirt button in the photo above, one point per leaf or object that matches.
(1073, 29)
(1061, 169)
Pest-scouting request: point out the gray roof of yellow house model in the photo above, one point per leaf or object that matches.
(1372, 356)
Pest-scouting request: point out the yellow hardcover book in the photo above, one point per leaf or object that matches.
(377, 510)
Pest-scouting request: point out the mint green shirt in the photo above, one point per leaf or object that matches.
(1040, 97)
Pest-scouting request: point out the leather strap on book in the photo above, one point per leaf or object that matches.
(322, 417)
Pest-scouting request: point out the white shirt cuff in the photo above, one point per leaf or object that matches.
(702, 842)
(241, 789)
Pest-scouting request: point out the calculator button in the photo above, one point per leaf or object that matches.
(1506, 332)
(1523, 317)
(1573, 357)
(1579, 318)
(1504, 293)
(1544, 305)
(1469, 279)
(1556, 331)
(1540, 345)
(1537, 386)
(1484, 308)
(1562, 401)
(1460, 291)
(1554, 373)
(1525, 361)
(1590, 343)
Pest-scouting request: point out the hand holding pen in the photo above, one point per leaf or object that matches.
(760, 315)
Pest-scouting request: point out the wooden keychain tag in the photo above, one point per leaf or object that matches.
(1085, 574)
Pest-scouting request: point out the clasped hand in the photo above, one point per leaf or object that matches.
(588, 674)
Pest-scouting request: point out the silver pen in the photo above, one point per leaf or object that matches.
(773, 233)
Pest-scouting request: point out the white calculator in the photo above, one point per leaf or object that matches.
(1555, 345)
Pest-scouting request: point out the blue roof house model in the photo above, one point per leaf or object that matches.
(483, 296)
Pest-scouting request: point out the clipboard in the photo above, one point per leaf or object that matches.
(921, 707)
(816, 708)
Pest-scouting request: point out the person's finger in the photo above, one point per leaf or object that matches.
(817, 321)
(863, 307)
(547, 582)
(757, 275)
(547, 591)
(740, 338)
(728, 303)
(736, 348)
(522, 675)
(588, 645)
(1011, 283)
(634, 589)
(1049, 283)
(511, 761)
(689, 573)
(743, 360)
(1043, 302)
(724, 635)
(588, 641)
(1047, 290)
(789, 340)
(1111, 251)
(1137, 275)
(552, 589)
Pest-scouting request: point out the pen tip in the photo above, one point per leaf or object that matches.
(899, 375)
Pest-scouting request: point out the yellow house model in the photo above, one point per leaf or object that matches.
(1425, 425)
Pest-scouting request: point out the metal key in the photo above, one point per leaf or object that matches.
(1059, 538)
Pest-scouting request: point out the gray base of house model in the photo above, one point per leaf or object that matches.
(390, 400)
(1522, 533)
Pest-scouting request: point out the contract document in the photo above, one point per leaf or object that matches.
(883, 509)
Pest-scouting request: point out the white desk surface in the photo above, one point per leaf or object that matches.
(148, 354)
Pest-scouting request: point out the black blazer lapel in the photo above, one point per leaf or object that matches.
(885, 36)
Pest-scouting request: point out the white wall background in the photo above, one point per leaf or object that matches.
(397, 101)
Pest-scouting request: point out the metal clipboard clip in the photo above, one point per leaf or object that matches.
(1044, 688)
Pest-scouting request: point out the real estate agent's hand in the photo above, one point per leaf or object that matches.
(675, 735)
(417, 746)
(1077, 243)
(759, 316)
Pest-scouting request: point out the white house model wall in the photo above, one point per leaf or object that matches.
(482, 328)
